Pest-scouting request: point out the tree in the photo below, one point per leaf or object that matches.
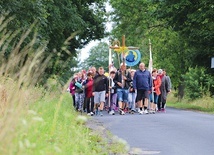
(176, 33)
(99, 57)
(56, 21)
(194, 21)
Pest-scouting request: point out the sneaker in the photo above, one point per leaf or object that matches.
(122, 112)
(132, 111)
(111, 112)
(151, 111)
(141, 112)
(158, 110)
(163, 110)
(89, 114)
(146, 111)
(92, 114)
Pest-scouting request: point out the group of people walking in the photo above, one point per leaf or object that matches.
(123, 90)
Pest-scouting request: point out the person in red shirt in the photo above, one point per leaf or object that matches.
(88, 93)
(156, 83)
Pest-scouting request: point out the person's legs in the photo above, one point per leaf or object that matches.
(120, 100)
(102, 101)
(92, 104)
(96, 102)
(146, 100)
(139, 100)
(130, 100)
(73, 97)
(163, 105)
(151, 101)
(84, 106)
(87, 100)
(77, 100)
(133, 101)
(155, 101)
(81, 101)
(125, 99)
(159, 103)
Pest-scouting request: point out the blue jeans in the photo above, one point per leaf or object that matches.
(153, 99)
(122, 95)
(132, 98)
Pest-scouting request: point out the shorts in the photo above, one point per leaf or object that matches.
(99, 97)
(141, 94)
(122, 95)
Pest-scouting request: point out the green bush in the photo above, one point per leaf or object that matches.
(198, 83)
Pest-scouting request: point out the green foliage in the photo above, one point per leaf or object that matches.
(179, 31)
(99, 57)
(194, 21)
(198, 83)
(55, 22)
(205, 104)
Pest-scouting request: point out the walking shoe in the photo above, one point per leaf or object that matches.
(92, 114)
(111, 112)
(132, 111)
(163, 110)
(152, 111)
(141, 112)
(122, 112)
(89, 114)
(146, 111)
(158, 110)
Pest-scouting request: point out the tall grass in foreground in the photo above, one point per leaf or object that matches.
(205, 104)
(32, 120)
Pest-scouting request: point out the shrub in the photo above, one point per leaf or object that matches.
(197, 83)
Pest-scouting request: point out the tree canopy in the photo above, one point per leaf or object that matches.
(180, 31)
(55, 22)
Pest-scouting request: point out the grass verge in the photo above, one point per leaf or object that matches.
(49, 125)
(205, 104)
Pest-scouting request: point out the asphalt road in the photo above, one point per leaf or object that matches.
(176, 132)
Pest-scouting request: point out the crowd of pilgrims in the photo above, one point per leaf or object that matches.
(120, 91)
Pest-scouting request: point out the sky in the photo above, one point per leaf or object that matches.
(85, 51)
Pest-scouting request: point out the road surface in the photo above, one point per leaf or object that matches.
(176, 132)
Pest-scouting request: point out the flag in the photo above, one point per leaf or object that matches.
(150, 67)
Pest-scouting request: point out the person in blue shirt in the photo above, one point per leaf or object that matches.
(142, 83)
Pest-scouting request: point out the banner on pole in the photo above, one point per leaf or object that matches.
(212, 62)
(132, 57)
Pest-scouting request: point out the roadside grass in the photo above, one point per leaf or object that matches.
(48, 125)
(205, 104)
(35, 120)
